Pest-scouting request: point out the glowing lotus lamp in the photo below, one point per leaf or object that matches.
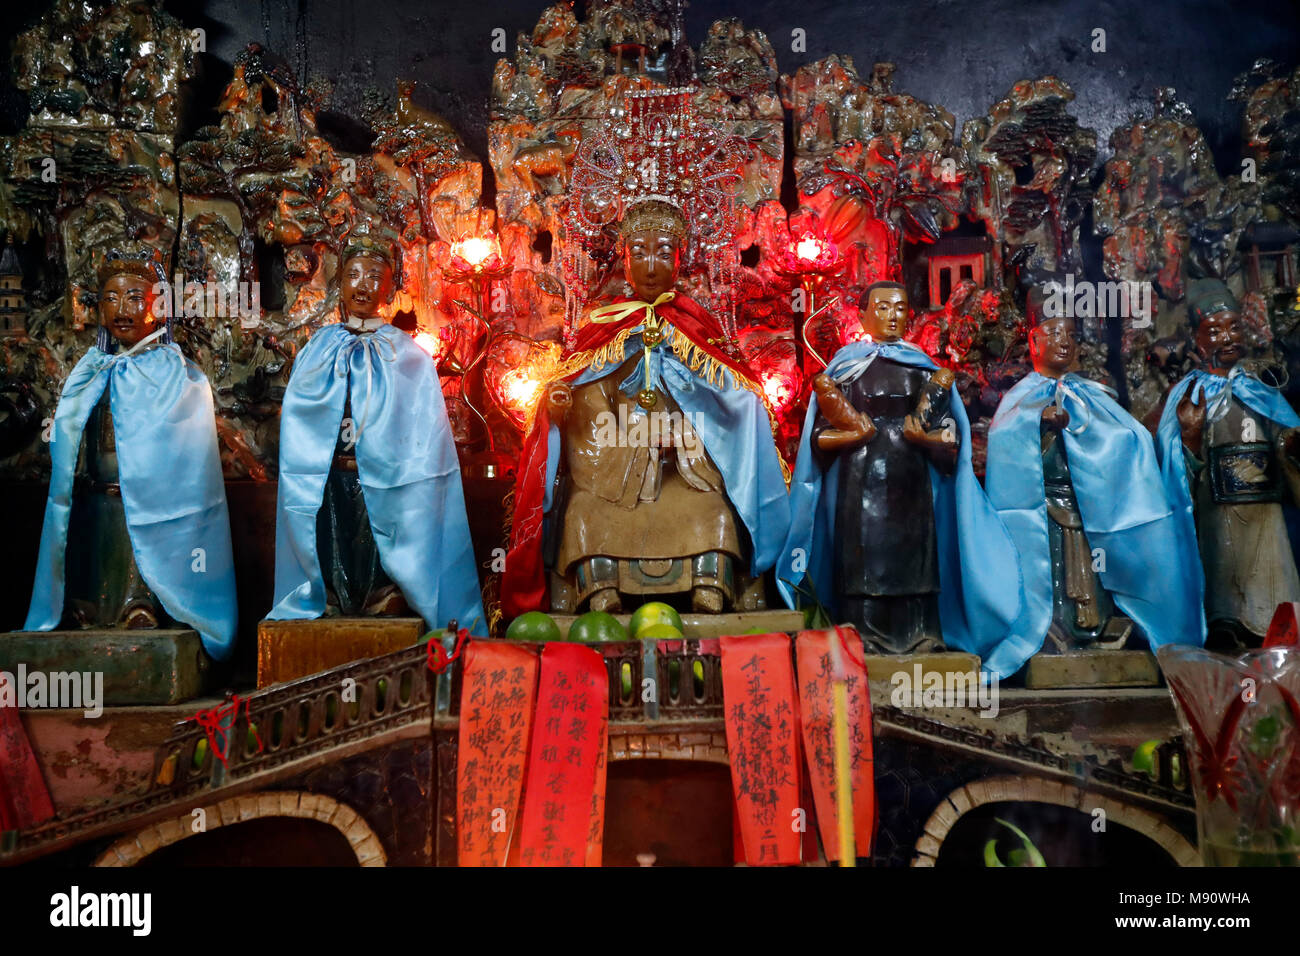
(779, 390)
(809, 259)
(516, 372)
(477, 260)
(520, 391)
(813, 253)
(477, 256)
(433, 344)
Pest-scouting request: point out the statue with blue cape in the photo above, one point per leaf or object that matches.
(1229, 445)
(1075, 479)
(370, 518)
(136, 531)
(890, 529)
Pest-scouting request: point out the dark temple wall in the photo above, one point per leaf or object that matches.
(962, 55)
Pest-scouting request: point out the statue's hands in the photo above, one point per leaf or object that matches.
(1055, 417)
(1191, 420)
(914, 431)
(868, 427)
(559, 399)
(848, 423)
(832, 403)
(942, 443)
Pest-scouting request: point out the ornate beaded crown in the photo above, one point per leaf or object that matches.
(657, 215)
(144, 262)
(365, 239)
(654, 158)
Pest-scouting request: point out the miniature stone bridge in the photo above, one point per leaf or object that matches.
(369, 750)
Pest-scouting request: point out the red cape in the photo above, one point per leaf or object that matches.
(523, 583)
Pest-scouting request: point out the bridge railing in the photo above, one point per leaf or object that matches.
(291, 721)
(687, 680)
(348, 704)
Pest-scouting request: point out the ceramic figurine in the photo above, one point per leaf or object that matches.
(1229, 453)
(1076, 481)
(371, 515)
(889, 523)
(652, 471)
(136, 529)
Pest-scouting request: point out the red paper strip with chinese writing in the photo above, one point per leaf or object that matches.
(568, 739)
(817, 709)
(496, 708)
(763, 744)
(24, 798)
(596, 835)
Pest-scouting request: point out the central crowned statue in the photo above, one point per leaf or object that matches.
(651, 468)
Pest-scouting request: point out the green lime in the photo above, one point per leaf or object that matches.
(597, 627)
(533, 626)
(659, 632)
(1144, 757)
(200, 752)
(654, 612)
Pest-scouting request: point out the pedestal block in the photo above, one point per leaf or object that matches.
(883, 667)
(287, 650)
(138, 666)
(1086, 669)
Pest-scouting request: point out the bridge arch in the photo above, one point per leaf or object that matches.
(134, 847)
(1030, 789)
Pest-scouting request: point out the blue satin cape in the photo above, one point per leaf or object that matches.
(169, 471)
(1212, 391)
(980, 587)
(407, 464)
(734, 427)
(1122, 502)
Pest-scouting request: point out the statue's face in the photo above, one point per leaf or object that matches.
(1054, 346)
(126, 308)
(366, 286)
(884, 317)
(1221, 340)
(651, 261)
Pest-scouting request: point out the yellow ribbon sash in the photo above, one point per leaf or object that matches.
(621, 310)
(650, 337)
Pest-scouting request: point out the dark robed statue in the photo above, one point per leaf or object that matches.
(885, 428)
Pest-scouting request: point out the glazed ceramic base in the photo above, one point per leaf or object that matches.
(287, 650)
(883, 667)
(1085, 669)
(139, 666)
